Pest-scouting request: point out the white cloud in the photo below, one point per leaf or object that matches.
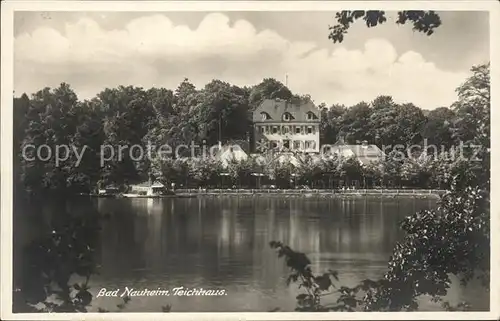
(152, 51)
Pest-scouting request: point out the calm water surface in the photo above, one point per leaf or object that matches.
(223, 243)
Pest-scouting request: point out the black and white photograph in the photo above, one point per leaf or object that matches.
(265, 160)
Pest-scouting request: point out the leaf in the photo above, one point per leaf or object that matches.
(323, 282)
(302, 296)
(84, 296)
(334, 274)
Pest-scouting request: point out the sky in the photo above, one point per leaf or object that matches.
(95, 50)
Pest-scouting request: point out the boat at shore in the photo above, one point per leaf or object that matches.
(154, 196)
(127, 195)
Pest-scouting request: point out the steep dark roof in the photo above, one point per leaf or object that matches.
(276, 108)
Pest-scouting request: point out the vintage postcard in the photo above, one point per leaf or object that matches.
(249, 160)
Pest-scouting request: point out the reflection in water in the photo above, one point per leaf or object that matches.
(224, 243)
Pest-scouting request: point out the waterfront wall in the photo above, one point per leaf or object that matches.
(319, 192)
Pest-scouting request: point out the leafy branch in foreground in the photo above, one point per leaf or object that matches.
(316, 286)
(453, 239)
(423, 21)
(50, 262)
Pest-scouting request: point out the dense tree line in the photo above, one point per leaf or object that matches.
(314, 172)
(130, 115)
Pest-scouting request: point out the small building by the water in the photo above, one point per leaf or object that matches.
(147, 188)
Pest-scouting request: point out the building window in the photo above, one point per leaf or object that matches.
(264, 116)
(310, 116)
(275, 129)
(261, 129)
(297, 130)
(309, 130)
(287, 117)
(286, 129)
(296, 144)
(310, 144)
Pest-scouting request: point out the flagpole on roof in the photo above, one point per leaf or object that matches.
(220, 128)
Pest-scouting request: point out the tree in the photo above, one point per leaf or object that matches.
(409, 121)
(355, 123)
(21, 106)
(350, 169)
(423, 21)
(127, 115)
(473, 108)
(331, 122)
(438, 128)
(52, 119)
(310, 170)
(269, 88)
(392, 123)
(392, 168)
(373, 172)
(281, 173)
(185, 96)
(241, 171)
(206, 171)
(88, 138)
(222, 112)
(417, 171)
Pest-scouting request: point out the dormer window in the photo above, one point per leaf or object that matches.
(287, 117)
(310, 116)
(264, 116)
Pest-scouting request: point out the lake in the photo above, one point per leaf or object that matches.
(223, 243)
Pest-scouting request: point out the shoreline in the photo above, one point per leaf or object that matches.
(385, 193)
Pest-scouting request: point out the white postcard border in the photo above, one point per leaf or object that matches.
(7, 63)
